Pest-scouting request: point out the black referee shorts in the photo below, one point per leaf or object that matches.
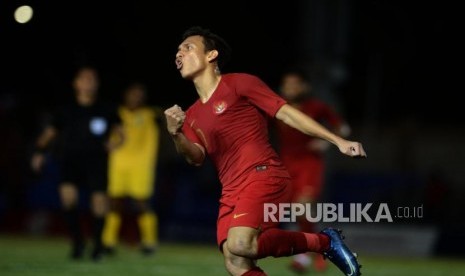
(86, 171)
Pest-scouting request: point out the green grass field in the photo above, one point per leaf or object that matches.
(47, 256)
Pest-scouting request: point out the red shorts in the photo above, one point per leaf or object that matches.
(248, 207)
(307, 177)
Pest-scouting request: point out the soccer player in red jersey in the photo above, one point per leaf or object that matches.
(229, 123)
(303, 155)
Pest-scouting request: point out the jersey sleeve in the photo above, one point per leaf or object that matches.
(189, 132)
(259, 94)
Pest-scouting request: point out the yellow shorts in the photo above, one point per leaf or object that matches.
(131, 180)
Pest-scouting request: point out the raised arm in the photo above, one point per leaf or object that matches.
(193, 152)
(300, 121)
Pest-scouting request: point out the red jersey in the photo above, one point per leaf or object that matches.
(233, 128)
(292, 143)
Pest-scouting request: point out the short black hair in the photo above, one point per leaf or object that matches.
(211, 41)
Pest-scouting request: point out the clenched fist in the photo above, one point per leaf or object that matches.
(174, 119)
(353, 149)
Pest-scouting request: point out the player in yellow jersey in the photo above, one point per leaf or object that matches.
(132, 169)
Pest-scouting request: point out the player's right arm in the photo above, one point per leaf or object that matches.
(193, 152)
(43, 141)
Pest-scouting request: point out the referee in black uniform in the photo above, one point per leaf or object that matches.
(84, 127)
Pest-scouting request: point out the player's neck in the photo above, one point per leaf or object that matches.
(85, 100)
(206, 85)
(133, 105)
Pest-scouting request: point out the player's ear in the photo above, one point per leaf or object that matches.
(212, 55)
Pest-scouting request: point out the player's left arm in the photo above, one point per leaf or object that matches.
(302, 122)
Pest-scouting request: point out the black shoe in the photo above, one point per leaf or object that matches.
(147, 250)
(109, 251)
(97, 254)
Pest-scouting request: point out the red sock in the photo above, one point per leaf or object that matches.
(317, 242)
(256, 271)
(278, 243)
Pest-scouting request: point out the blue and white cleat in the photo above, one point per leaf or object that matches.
(339, 254)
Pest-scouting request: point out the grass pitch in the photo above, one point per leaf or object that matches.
(26, 256)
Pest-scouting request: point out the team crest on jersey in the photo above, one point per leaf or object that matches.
(219, 107)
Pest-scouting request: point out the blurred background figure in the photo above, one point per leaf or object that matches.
(132, 170)
(84, 127)
(304, 155)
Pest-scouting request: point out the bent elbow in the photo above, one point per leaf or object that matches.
(196, 163)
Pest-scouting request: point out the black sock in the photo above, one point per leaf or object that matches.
(97, 231)
(71, 217)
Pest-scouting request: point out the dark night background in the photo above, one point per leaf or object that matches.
(402, 50)
(391, 67)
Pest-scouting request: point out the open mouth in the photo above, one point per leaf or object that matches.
(178, 64)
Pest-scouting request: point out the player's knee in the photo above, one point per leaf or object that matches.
(241, 246)
(99, 204)
(68, 196)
